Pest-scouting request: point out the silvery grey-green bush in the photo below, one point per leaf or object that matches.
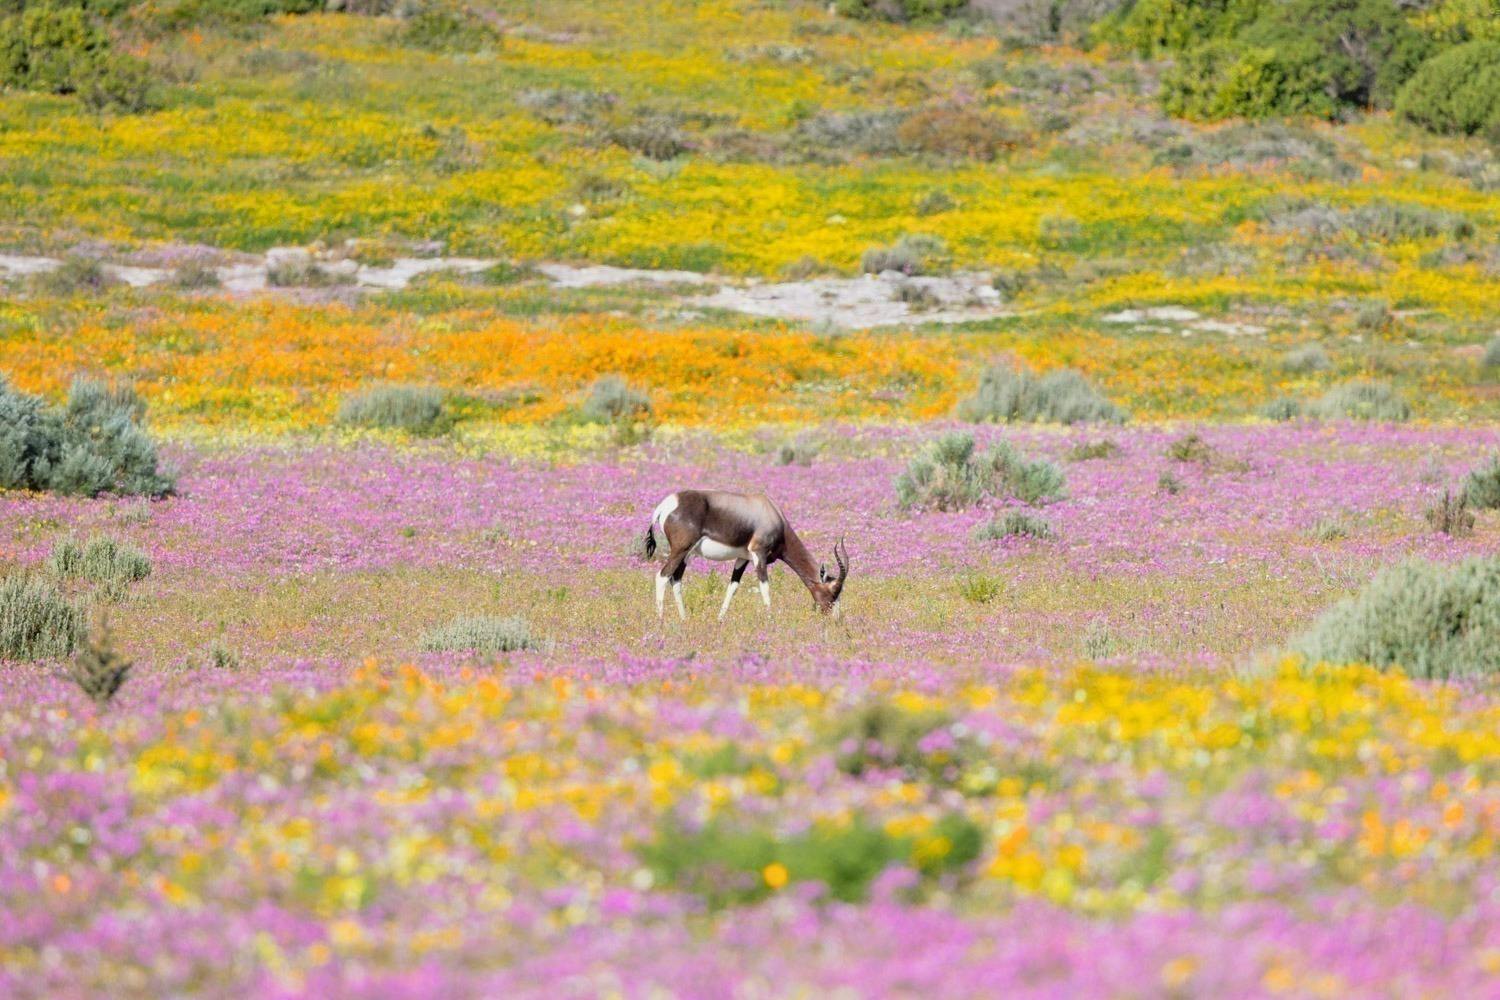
(1430, 619)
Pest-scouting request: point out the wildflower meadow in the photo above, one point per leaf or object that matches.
(1143, 356)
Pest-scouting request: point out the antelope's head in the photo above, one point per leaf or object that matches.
(826, 593)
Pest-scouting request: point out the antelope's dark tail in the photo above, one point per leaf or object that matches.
(650, 541)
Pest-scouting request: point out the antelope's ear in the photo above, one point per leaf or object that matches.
(823, 576)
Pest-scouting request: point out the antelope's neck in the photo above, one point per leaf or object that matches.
(800, 561)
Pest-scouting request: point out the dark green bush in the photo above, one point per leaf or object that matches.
(1455, 92)
(1429, 619)
(446, 26)
(61, 48)
(1225, 79)
(900, 11)
(92, 445)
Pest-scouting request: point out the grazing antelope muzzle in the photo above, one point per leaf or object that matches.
(751, 531)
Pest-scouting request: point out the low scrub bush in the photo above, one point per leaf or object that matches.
(482, 634)
(92, 445)
(1306, 360)
(416, 409)
(980, 588)
(74, 276)
(1282, 408)
(36, 620)
(1491, 356)
(799, 451)
(728, 863)
(1193, 448)
(612, 400)
(1014, 524)
(301, 272)
(447, 26)
(1361, 400)
(1451, 515)
(949, 475)
(1330, 529)
(900, 11)
(910, 255)
(194, 276)
(1482, 486)
(1169, 483)
(1062, 396)
(656, 137)
(1431, 620)
(1381, 221)
(99, 669)
(1455, 92)
(1088, 451)
(955, 132)
(102, 561)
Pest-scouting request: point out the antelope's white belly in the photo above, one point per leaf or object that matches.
(719, 552)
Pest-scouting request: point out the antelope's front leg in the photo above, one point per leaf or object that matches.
(734, 584)
(761, 576)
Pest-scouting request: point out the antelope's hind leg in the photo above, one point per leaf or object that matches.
(761, 576)
(671, 572)
(734, 584)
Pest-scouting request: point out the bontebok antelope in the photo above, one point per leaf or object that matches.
(751, 530)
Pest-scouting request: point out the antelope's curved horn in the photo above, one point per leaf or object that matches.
(841, 557)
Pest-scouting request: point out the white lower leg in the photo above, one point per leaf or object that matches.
(728, 596)
(677, 596)
(661, 593)
(765, 592)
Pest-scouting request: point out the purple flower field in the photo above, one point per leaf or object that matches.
(1076, 766)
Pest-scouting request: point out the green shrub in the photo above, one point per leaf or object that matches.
(980, 588)
(1282, 408)
(1451, 515)
(1087, 451)
(800, 451)
(1224, 79)
(60, 48)
(900, 11)
(1305, 360)
(910, 255)
(1455, 92)
(1432, 620)
(1482, 487)
(416, 409)
(194, 276)
(99, 669)
(36, 620)
(1491, 356)
(612, 400)
(1381, 221)
(1169, 483)
(302, 272)
(101, 560)
(948, 475)
(1329, 529)
(725, 863)
(1061, 396)
(92, 445)
(447, 26)
(1361, 400)
(1014, 524)
(481, 634)
(656, 137)
(74, 276)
